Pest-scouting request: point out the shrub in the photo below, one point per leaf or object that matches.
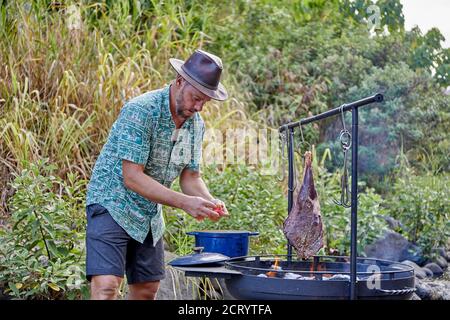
(254, 201)
(422, 205)
(42, 254)
(412, 106)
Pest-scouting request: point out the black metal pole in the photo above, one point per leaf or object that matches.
(354, 208)
(290, 139)
(350, 106)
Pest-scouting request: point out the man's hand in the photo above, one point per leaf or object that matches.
(200, 208)
(192, 184)
(220, 208)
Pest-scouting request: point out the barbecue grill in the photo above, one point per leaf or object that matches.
(320, 277)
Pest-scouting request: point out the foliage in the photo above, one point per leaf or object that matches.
(390, 13)
(422, 205)
(42, 255)
(255, 203)
(403, 122)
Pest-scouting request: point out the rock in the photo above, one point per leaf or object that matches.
(442, 252)
(392, 223)
(419, 273)
(423, 290)
(428, 272)
(441, 262)
(437, 290)
(176, 286)
(429, 290)
(446, 294)
(415, 297)
(4, 296)
(437, 271)
(393, 246)
(225, 293)
(448, 256)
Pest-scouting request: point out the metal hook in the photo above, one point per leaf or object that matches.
(345, 193)
(303, 138)
(345, 138)
(294, 173)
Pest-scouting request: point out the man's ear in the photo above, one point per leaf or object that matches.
(179, 81)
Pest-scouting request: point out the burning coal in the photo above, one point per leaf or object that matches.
(274, 267)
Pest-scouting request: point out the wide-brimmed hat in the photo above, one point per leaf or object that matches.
(202, 70)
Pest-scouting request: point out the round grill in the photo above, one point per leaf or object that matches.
(320, 277)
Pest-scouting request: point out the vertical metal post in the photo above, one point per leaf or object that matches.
(354, 208)
(290, 139)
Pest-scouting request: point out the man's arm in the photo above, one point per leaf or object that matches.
(192, 184)
(136, 180)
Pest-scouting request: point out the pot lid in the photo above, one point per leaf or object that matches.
(199, 258)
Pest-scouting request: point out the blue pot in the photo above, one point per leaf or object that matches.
(231, 243)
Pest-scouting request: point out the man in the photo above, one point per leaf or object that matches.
(156, 138)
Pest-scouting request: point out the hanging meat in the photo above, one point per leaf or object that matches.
(303, 226)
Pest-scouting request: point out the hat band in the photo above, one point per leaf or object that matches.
(198, 80)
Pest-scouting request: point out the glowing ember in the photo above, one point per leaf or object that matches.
(275, 267)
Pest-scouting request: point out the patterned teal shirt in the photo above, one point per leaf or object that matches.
(144, 133)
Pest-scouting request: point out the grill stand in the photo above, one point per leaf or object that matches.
(289, 128)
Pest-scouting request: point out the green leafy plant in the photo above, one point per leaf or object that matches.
(422, 205)
(42, 254)
(255, 203)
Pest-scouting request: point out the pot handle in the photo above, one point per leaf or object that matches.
(198, 249)
(253, 233)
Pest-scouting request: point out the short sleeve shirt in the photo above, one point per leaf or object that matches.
(144, 133)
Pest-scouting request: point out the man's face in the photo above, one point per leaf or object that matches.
(189, 100)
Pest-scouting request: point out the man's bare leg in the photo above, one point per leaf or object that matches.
(143, 291)
(105, 287)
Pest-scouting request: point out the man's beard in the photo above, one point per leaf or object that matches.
(179, 107)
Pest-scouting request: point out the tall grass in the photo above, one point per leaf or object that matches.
(66, 71)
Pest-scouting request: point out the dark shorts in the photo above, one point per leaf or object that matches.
(111, 251)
